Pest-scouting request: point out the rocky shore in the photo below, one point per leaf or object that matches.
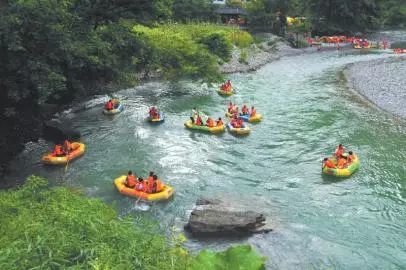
(382, 81)
(271, 49)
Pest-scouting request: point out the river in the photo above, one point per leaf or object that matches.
(319, 222)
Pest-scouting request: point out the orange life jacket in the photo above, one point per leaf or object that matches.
(329, 164)
(339, 152)
(253, 112)
(150, 182)
(159, 186)
(130, 181)
(219, 123)
(57, 150)
(244, 110)
(341, 162)
(210, 122)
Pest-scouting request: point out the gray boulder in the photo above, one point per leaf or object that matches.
(217, 218)
(58, 131)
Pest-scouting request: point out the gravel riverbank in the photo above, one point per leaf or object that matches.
(382, 81)
(258, 55)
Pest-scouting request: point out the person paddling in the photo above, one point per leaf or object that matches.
(209, 122)
(219, 122)
(150, 182)
(109, 105)
(339, 151)
(58, 151)
(67, 147)
(328, 163)
(130, 180)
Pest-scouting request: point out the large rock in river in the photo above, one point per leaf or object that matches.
(216, 217)
(58, 131)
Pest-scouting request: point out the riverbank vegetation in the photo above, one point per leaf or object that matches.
(52, 52)
(55, 228)
(330, 17)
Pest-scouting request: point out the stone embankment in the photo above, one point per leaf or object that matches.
(382, 81)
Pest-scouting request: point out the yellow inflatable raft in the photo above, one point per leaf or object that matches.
(164, 194)
(226, 93)
(252, 119)
(216, 129)
(344, 172)
(118, 108)
(362, 47)
(78, 150)
(239, 131)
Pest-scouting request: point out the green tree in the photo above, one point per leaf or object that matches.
(343, 16)
(194, 10)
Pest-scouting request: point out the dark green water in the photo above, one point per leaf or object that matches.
(319, 222)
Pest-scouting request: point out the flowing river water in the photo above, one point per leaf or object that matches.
(319, 222)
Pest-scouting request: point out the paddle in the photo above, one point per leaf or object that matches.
(66, 166)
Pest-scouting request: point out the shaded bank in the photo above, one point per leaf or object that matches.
(382, 82)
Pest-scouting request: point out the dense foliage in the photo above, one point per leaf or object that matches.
(330, 16)
(190, 50)
(343, 16)
(194, 10)
(52, 51)
(56, 228)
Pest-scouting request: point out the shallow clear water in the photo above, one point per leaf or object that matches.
(319, 222)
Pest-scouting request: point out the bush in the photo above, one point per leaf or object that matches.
(57, 228)
(218, 44)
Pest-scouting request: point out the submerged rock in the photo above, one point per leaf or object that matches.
(58, 131)
(216, 217)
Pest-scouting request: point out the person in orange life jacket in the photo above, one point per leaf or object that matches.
(150, 181)
(350, 157)
(341, 163)
(234, 123)
(230, 107)
(109, 105)
(209, 122)
(228, 84)
(328, 163)
(219, 122)
(199, 121)
(58, 151)
(253, 111)
(339, 151)
(140, 186)
(241, 123)
(158, 186)
(130, 180)
(244, 109)
(67, 147)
